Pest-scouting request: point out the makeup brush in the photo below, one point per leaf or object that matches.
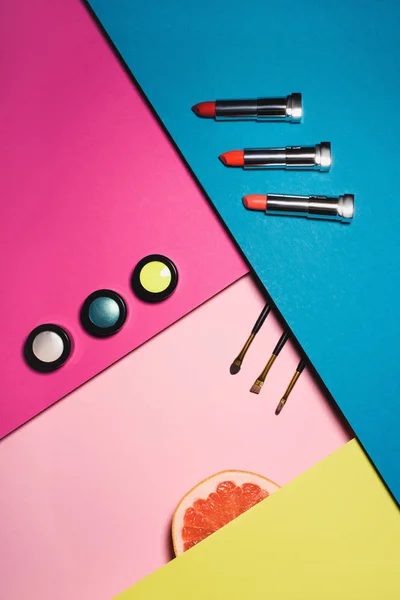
(256, 387)
(237, 363)
(292, 383)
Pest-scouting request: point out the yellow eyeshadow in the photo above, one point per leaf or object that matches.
(155, 277)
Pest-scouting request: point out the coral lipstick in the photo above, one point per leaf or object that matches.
(313, 207)
(317, 158)
(287, 108)
(255, 202)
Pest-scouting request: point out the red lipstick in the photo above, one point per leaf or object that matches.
(287, 108)
(206, 110)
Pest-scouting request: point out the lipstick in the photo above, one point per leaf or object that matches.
(288, 108)
(317, 158)
(313, 207)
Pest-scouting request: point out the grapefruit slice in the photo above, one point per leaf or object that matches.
(214, 502)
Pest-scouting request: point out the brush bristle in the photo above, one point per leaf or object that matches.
(235, 367)
(256, 387)
(280, 406)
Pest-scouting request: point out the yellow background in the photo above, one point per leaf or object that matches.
(331, 534)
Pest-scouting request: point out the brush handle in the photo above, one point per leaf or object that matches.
(282, 341)
(261, 319)
(290, 387)
(301, 365)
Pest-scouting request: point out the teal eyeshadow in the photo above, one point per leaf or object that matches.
(104, 312)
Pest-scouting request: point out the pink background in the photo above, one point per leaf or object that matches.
(89, 487)
(89, 185)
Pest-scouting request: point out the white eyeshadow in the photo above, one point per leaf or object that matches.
(47, 346)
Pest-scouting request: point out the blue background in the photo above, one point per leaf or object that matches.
(336, 285)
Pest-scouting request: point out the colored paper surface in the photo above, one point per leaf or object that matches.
(90, 185)
(331, 533)
(336, 285)
(89, 487)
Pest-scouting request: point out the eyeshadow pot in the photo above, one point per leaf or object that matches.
(154, 278)
(47, 348)
(103, 313)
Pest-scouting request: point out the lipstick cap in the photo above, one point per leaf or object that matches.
(323, 156)
(346, 207)
(294, 108)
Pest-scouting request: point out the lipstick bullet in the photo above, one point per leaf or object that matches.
(313, 207)
(289, 108)
(317, 158)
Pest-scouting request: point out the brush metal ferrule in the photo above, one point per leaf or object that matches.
(317, 158)
(314, 207)
(243, 351)
(289, 108)
(291, 385)
(286, 395)
(266, 369)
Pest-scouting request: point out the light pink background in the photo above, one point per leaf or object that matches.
(89, 487)
(89, 185)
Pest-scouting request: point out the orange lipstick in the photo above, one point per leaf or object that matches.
(315, 158)
(206, 110)
(234, 158)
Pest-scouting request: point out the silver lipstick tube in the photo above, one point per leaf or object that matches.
(314, 207)
(318, 158)
(262, 109)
